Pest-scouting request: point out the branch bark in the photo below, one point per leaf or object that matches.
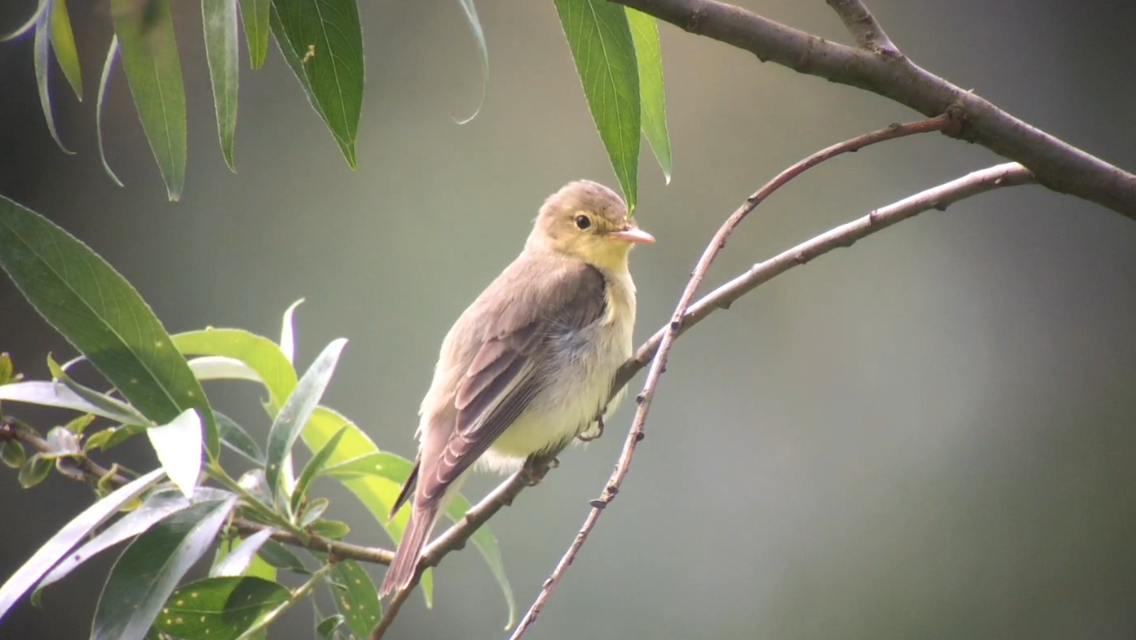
(1056, 164)
(864, 28)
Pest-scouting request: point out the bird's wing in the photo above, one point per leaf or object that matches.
(508, 369)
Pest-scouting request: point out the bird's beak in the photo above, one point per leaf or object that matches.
(633, 234)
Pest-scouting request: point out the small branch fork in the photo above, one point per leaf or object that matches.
(863, 26)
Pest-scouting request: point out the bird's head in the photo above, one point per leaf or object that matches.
(589, 221)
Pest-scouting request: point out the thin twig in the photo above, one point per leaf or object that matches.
(717, 243)
(864, 28)
(1056, 164)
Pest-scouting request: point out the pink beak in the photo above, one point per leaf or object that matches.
(634, 235)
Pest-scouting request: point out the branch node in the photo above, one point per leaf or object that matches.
(640, 435)
(598, 503)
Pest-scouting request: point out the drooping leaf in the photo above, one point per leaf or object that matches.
(155, 507)
(178, 446)
(45, 558)
(219, 18)
(601, 44)
(104, 80)
(219, 608)
(259, 353)
(254, 15)
(63, 43)
(239, 559)
(313, 468)
(151, 566)
(296, 411)
(153, 71)
(355, 597)
(98, 311)
(237, 439)
(281, 557)
(322, 41)
(482, 51)
(222, 368)
(53, 394)
(41, 48)
(12, 454)
(41, 8)
(648, 53)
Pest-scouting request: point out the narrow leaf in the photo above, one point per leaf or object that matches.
(288, 333)
(648, 53)
(153, 71)
(322, 41)
(254, 15)
(259, 353)
(104, 80)
(240, 558)
(482, 51)
(314, 466)
(41, 8)
(296, 411)
(149, 569)
(70, 535)
(178, 446)
(98, 311)
(219, 18)
(102, 401)
(41, 48)
(222, 368)
(356, 597)
(155, 507)
(63, 43)
(237, 439)
(53, 394)
(601, 44)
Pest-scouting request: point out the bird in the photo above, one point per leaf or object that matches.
(528, 367)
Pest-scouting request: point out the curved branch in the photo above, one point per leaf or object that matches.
(1056, 164)
(658, 347)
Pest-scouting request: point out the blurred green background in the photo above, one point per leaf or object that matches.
(927, 436)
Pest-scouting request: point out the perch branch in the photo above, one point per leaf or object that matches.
(864, 28)
(1056, 164)
(658, 347)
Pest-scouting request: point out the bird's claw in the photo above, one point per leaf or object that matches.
(592, 434)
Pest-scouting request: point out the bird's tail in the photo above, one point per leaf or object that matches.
(401, 570)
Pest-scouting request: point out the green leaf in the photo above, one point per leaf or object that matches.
(239, 559)
(219, 18)
(220, 608)
(259, 353)
(63, 43)
(604, 51)
(41, 9)
(70, 535)
(355, 597)
(155, 507)
(645, 33)
(41, 47)
(311, 511)
(34, 471)
(6, 370)
(78, 425)
(178, 446)
(104, 80)
(98, 311)
(395, 470)
(149, 569)
(12, 454)
(314, 466)
(100, 400)
(254, 15)
(325, 627)
(153, 71)
(482, 51)
(333, 529)
(281, 557)
(237, 439)
(53, 394)
(296, 411)
(322, 41)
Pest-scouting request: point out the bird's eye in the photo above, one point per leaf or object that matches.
(583, 222)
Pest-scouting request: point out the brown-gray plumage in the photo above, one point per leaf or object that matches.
(528, 366)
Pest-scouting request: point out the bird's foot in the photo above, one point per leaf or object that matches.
(593, 433)
(536, 468)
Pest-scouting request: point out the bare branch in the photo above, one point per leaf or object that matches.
(1056, 165)
(864, 28)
